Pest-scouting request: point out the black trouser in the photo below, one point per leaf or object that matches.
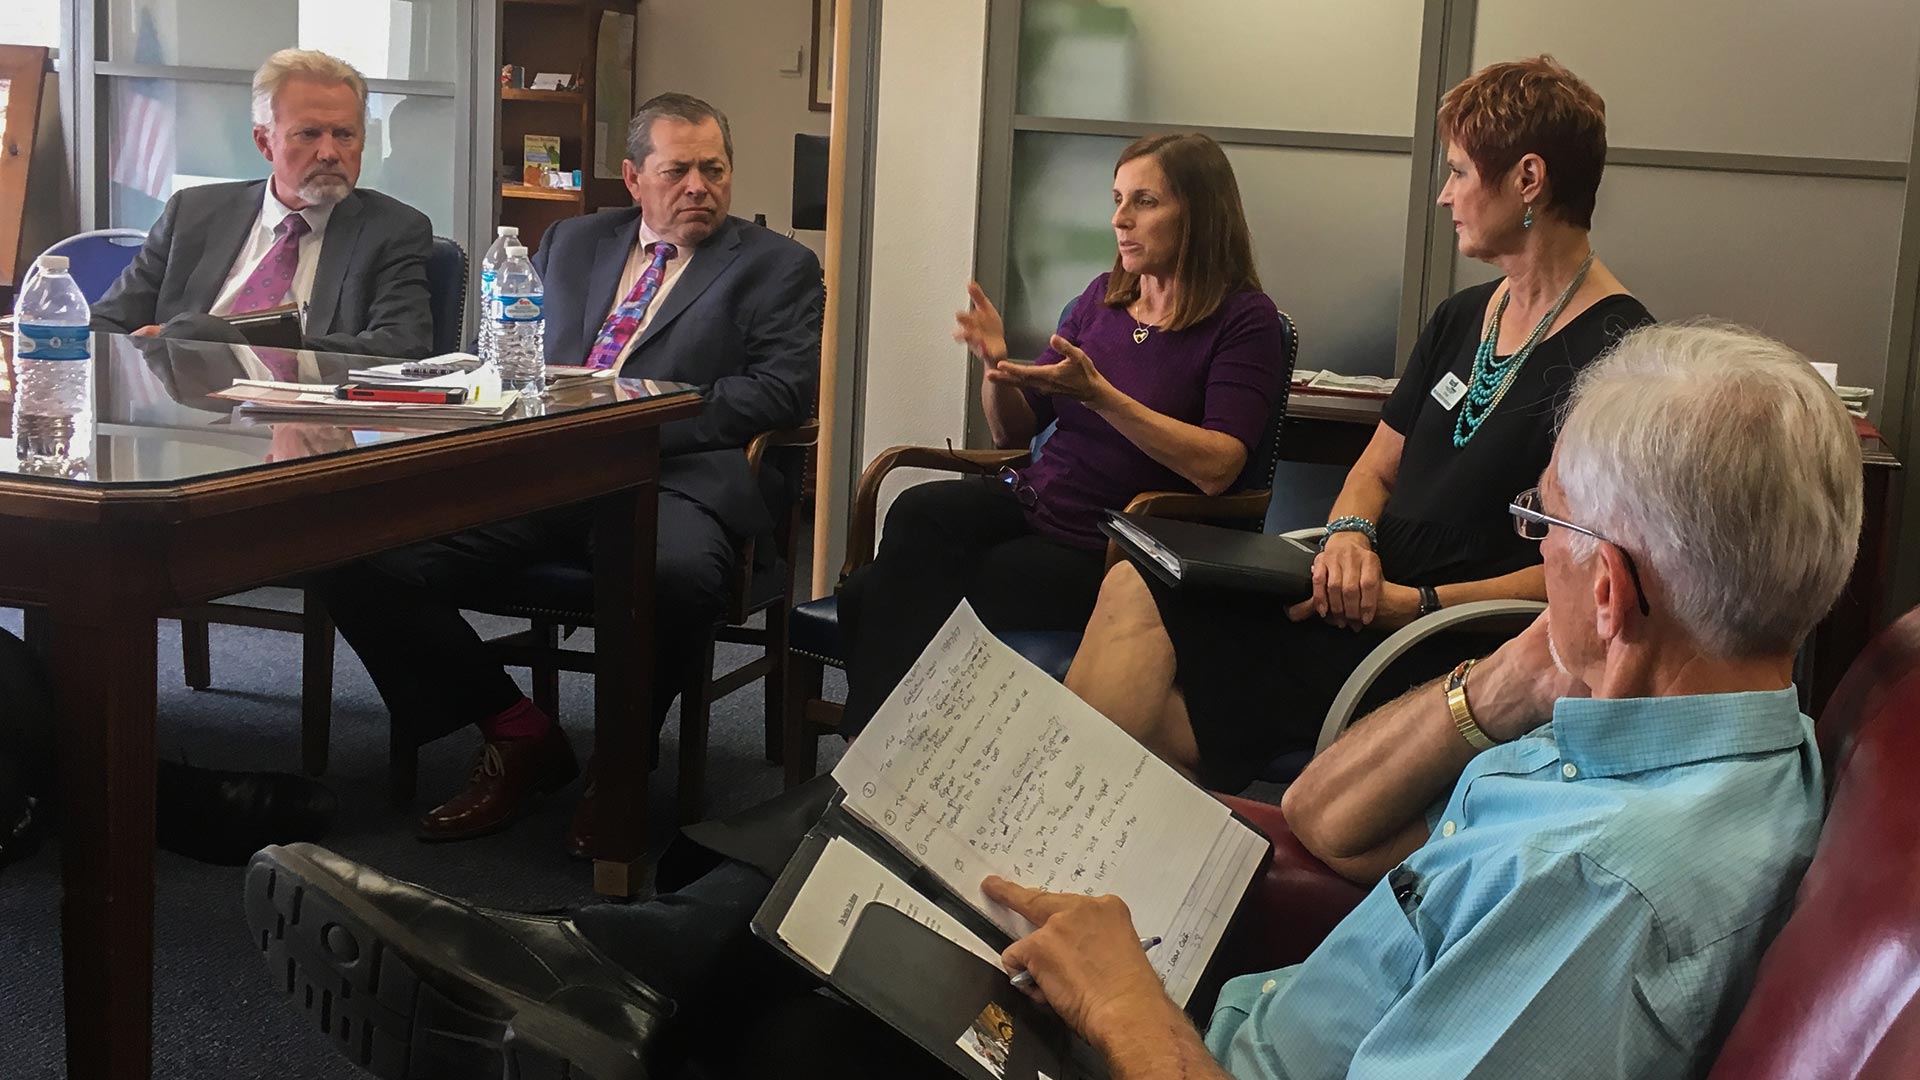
(745, 1010)
(944, 542)
(400, 611)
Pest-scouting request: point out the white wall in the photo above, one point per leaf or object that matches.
(925, 195)
(730, 53)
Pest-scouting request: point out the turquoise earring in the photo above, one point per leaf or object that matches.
(1527, 222)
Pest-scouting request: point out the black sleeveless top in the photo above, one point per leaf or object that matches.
(1446, 519)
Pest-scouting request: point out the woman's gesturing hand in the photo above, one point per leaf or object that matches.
(980, 327)
(1073, 377)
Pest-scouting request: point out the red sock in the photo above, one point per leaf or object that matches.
(521, 720)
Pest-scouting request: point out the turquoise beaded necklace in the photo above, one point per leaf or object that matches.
(1492, 376)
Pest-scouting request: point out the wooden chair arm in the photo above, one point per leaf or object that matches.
(1241, 507)
(807, 434)
(1483, 616)
(801, 438)
(863, 527)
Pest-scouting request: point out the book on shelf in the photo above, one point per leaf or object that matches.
(540, 156)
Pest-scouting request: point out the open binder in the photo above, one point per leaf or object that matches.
(979, 763)
(917, 980)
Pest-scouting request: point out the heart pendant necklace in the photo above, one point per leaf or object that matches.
(1140, 333)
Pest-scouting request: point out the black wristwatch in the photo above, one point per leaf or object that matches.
(1429, 600)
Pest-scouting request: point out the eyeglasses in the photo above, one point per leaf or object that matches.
(1023, 492)
(1531, 522)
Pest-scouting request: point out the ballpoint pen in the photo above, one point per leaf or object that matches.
(1025, 978)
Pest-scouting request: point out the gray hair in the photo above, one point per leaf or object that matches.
(1727, 466)
(682, 107)
(305, 63)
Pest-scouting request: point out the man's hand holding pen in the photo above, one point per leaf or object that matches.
(1085, 960)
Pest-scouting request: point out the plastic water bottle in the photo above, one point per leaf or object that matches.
(520, 324)
(489, 270)
(53, 370)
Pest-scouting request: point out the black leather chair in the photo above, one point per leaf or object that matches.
(447, 300)
(814, 642)
(447, 293)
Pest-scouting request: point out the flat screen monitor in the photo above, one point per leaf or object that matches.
(810, 181)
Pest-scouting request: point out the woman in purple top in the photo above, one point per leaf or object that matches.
(1163, 376)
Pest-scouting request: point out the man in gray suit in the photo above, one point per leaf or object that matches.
(355, 258)
(671, 289)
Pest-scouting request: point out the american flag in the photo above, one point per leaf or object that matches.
(143, 142)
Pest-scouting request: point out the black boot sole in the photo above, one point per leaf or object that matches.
(357, 974)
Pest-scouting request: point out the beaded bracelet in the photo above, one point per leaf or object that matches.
(1351, 524)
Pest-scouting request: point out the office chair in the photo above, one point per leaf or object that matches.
(447, 293)
(96, 259)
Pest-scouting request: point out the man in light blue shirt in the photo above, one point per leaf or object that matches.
(1587, 897)
(1582, 898)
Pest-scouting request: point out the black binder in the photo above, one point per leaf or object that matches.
(919, 983)
(275, 328)
(1185, 554)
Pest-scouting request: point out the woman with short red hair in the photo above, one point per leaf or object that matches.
(1220, 683)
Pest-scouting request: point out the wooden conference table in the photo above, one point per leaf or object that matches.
(186, 501)
(1332, 429)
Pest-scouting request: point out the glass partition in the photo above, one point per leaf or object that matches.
(1834, 79)
(1327, 228)
(1329, 65)
(384, 39)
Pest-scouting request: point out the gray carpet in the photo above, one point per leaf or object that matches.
(216, 1014)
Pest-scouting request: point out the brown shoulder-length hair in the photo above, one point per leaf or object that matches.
(1216, 249)
(1503, 112)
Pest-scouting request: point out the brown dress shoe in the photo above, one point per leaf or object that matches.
(507, 775)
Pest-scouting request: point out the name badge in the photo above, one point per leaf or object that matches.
(1449, 390)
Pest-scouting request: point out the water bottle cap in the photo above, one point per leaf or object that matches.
(515, 249)
(51, 263)
(507, 230)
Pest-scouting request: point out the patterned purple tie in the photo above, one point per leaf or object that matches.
(272, 280)
(626, 319)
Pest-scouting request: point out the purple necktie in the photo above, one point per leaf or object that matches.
(626, 319)
(272, 280)
(269, 285)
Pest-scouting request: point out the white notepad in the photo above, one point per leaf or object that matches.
(980, 763)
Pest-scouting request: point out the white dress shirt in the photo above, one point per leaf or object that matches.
(260, 241)
(638, 259)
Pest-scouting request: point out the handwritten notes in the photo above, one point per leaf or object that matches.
(843, 882)
(979, 763)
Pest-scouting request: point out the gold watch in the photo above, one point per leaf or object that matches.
(1462, 716)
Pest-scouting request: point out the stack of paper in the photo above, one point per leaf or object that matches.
(316, 401)
(1330, 382)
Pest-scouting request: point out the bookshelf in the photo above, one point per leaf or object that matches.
(554, 36)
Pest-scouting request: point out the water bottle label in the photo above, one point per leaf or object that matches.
(37, 342)
(486, 284)
(517, 309)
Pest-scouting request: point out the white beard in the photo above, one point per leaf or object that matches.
(325, 190)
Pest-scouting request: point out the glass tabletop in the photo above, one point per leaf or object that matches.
(155, 421)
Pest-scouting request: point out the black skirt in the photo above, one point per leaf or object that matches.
(1258, 685)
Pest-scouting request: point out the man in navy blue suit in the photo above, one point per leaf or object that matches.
(671, 288)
